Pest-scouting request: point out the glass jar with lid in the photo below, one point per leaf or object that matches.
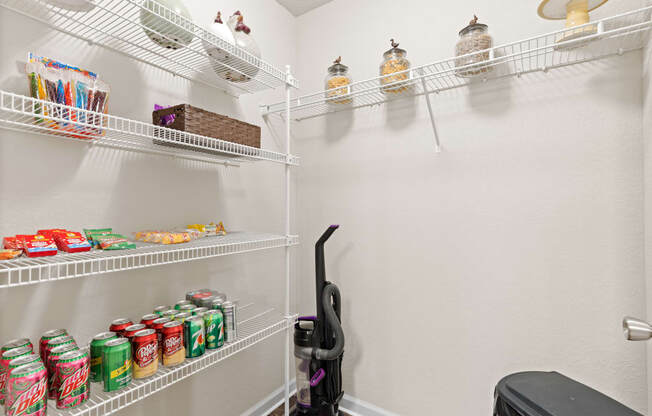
(394, 62)
(473, 49)
(338, 83)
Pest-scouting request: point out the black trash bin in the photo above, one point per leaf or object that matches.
(537, 393)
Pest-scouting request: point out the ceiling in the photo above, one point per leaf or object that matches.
(299, 7)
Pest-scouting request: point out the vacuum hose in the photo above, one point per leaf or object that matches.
(333, 320)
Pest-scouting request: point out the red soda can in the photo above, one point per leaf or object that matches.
(5, 359)
(51, 366)
(145, 353)
(46, 337)
(27, 390)
(173, 350)
(157, 326)
(16, 343)
(73, 381)
(148, 319)
(118, 326)
(55, 342)
(131, 330)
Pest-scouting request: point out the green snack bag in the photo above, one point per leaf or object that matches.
(114, 242)
(91, 234)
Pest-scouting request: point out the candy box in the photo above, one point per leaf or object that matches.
(12, 243)
(38, 245)
(71, 242)
(50, 233)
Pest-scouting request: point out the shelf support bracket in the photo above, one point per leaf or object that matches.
(432, 116)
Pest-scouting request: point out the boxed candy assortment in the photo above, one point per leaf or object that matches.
(56, 82)
(68, 241)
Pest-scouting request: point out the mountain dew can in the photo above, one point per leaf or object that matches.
(214, 324)
(73, 385)
(27, 391)
(97, 346)
(193, 336)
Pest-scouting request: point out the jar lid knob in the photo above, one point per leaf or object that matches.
(394, 44)
(338, 60)
(218, 18)
(474, 21)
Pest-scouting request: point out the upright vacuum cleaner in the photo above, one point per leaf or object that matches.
(319, 346)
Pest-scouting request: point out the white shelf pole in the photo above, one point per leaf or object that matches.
(288, 88)
(432, 116)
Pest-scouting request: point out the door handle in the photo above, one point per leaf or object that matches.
(636, 329)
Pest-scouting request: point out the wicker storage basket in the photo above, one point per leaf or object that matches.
(198, 121)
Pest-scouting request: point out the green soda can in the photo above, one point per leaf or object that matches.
(193, 336)
(181, 303)
(199, 311)
(182, 316)
(217, 304)
(187, 308)
(159, 310)
(97, 346)
(169, 313)
(116, 364)
(214, 324)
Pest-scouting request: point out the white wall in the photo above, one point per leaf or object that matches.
(520, 247)
(47, 182)
(647, 157)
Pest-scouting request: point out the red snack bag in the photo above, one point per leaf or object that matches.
(38, 245)
(12, 243)
(71, 242)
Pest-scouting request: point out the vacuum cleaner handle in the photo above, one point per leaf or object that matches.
(333, 322)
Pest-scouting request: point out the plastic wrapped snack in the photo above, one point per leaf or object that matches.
(8, 254)
(114, 242)
(167, 237)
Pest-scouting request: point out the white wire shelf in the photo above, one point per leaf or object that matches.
(18, 112)
(615, 36)
(25, 271)
(256, 324)
(116, 24)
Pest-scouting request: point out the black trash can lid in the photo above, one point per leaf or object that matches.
(538, 393)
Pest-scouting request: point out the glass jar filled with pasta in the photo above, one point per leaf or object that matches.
(395, 70)
(338, 84)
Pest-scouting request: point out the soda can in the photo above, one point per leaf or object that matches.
(46, 337)
(73, 381)
(206, 302)
(193, 336)
(230, 321)
(145, 353)
(51, 366)
(160, 309)
(27, 390)
(16, 362)
(118, 326)
(199, 311)
(204, 293)
(148, 319)
(192, 293)
(131, 330)
(97, 345)
(16, 343)
(5, 358)
(182, 316)
(187, 308)
(217, 304)
(157, 326)
(181, 303)
(170, 313)
(116, 364)
(174, 351)
(214, 324)
(55, 342)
